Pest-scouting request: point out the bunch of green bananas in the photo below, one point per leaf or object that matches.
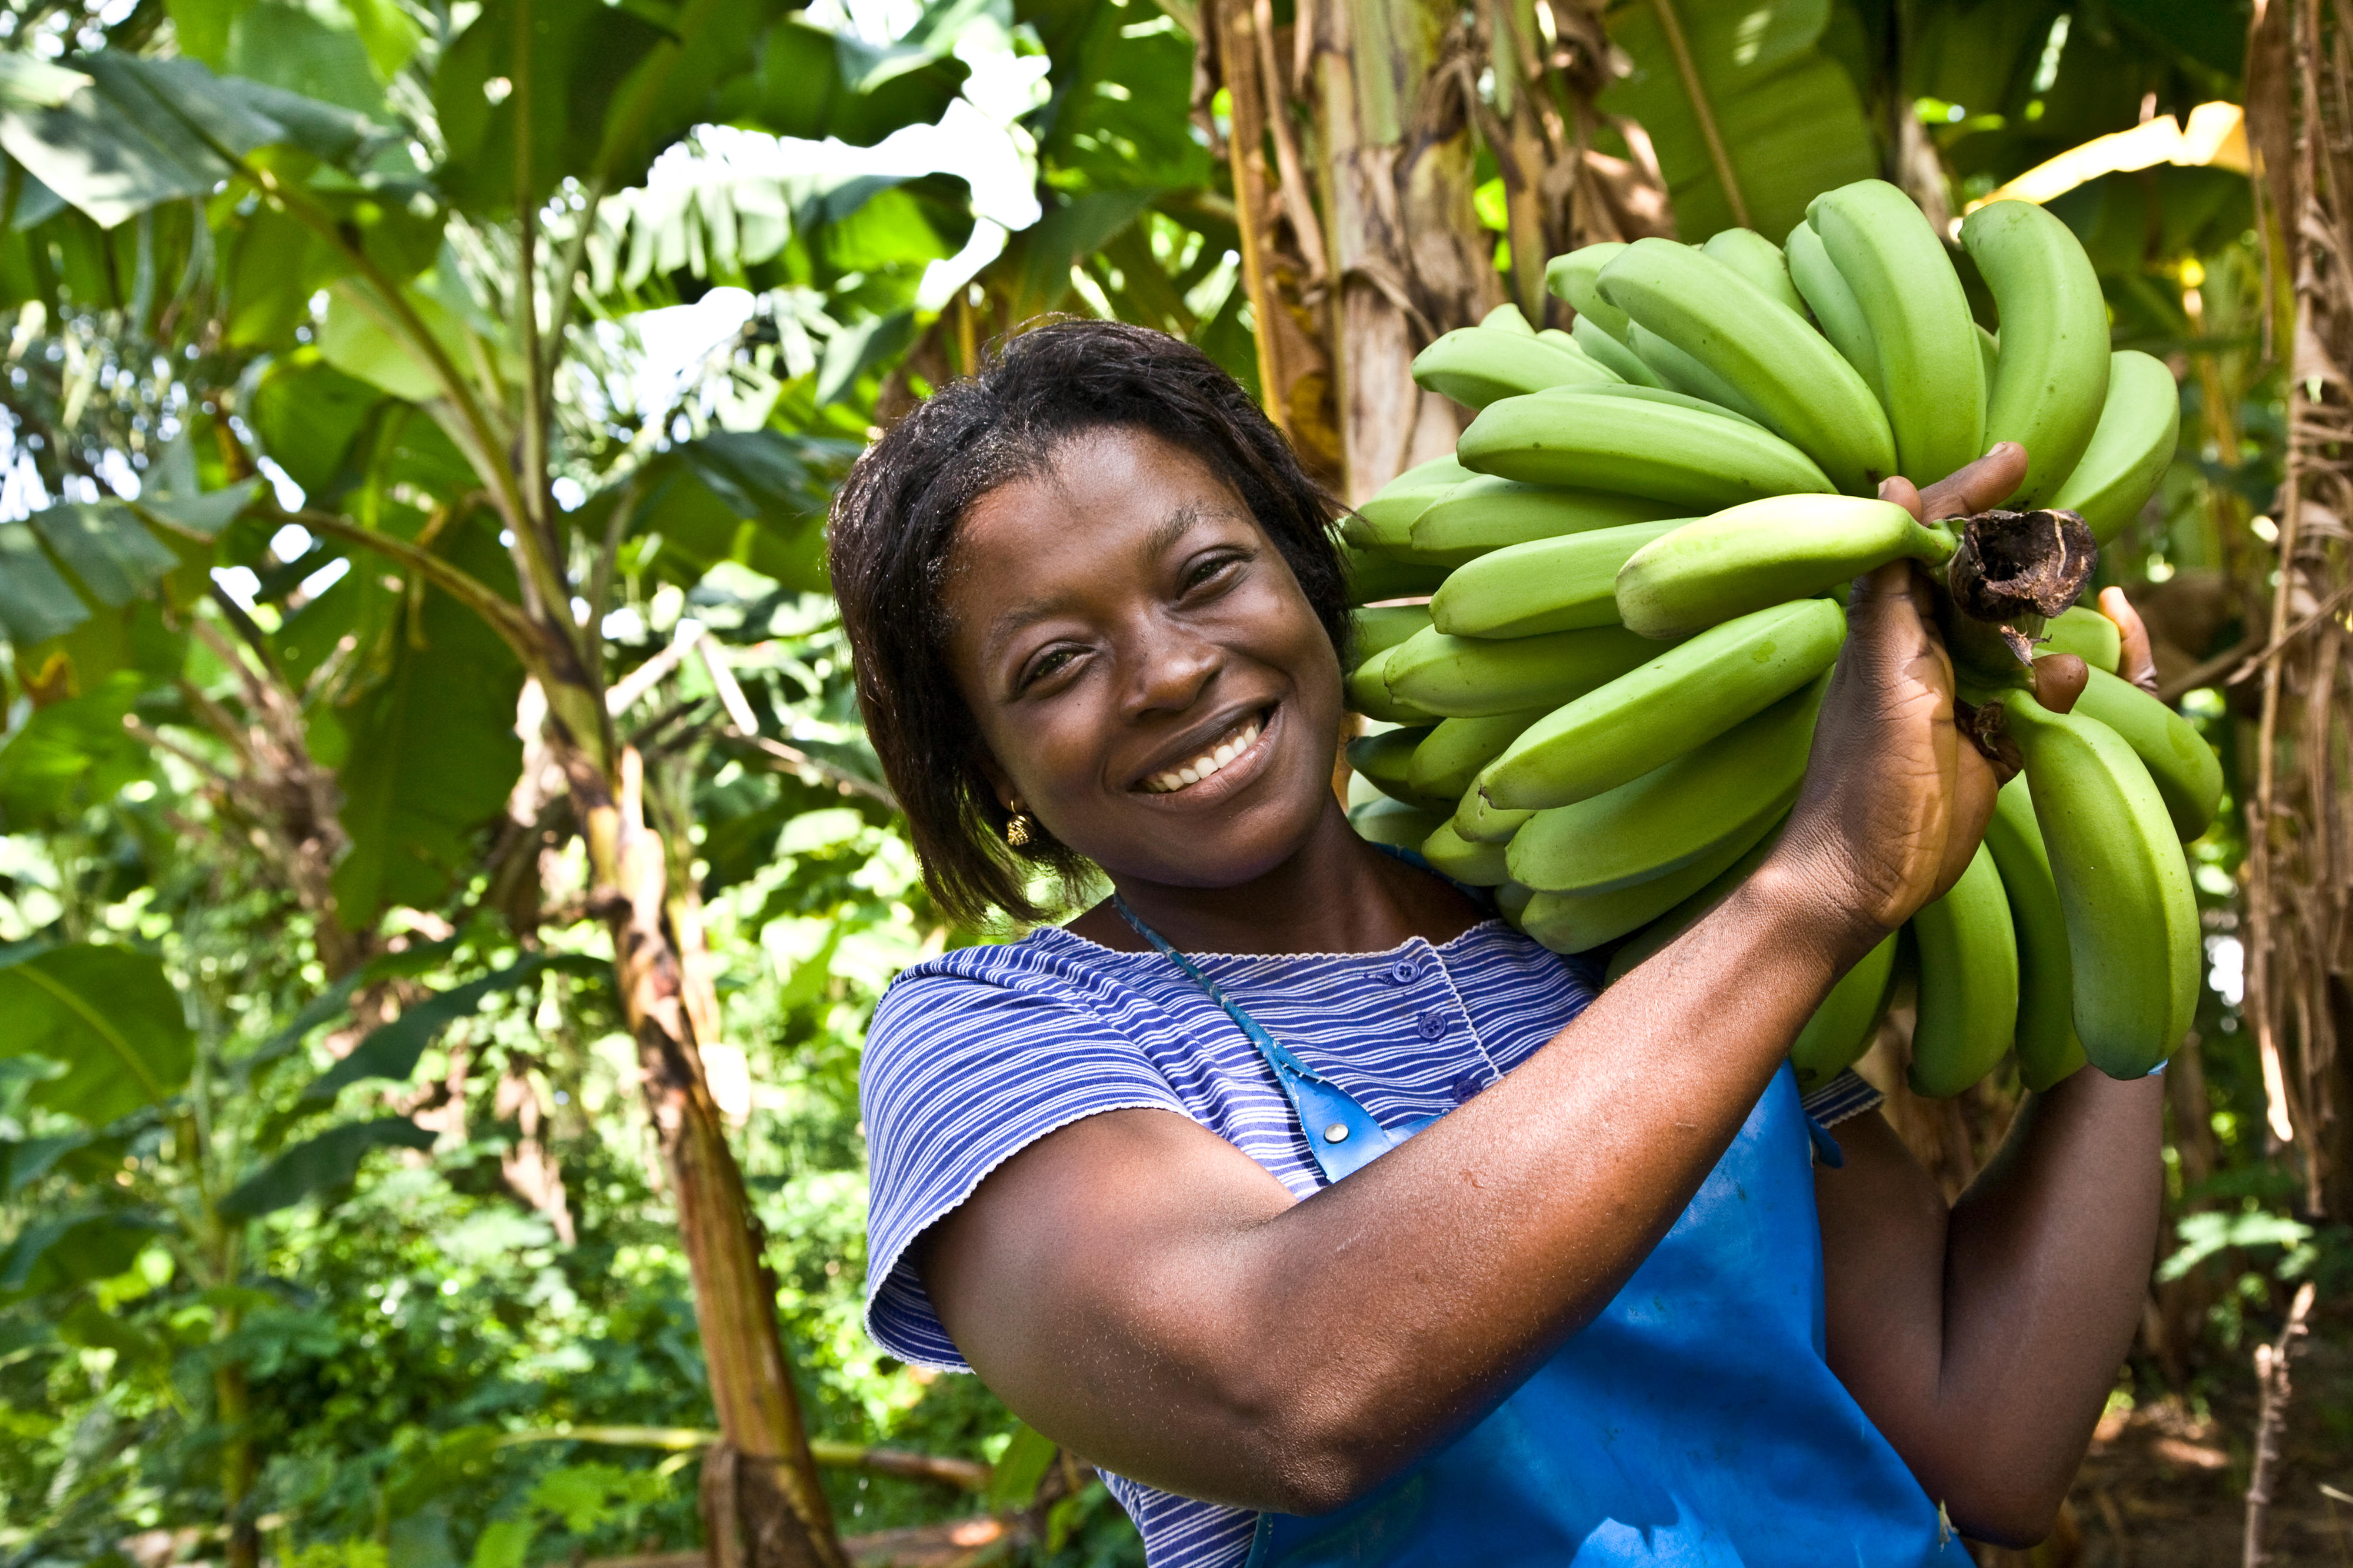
(1626, 603)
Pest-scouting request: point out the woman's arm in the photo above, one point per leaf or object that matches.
(1984, 1341)
(1143, 1291)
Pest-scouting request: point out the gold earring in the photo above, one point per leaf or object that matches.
(1019, 828)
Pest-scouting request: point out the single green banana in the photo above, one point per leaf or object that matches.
(1759, 260)
(2088, 635)
(1834, 306)
(1546, 586)
(1385, 521)
(1375, 576)
(1487, 514)
(1601, 347)
(2124, 887)
(1450, 756)
(2179, 762)
(1507, 318)
(2130, 447)
(1377, 630)
(1841, 1028)
(1386, 761)
(1765, 351)
(1481, 823)
(1760, 554)
(1452, 855)
(1686, 697)
(1968, 952)
(2047, 1047)
(1734, 786)
(1368, 691)
(1465, 678)
(1574, 923)
(1667, 396)
(1635, 448)
(1394, 822)
(1566, 343)
(1476, 366)
(1684, 374)
(2047, 393)
(1572, 278)
(1932, 378)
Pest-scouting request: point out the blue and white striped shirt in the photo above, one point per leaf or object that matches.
(979, 1053)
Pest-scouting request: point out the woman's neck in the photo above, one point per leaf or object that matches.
(1336, 894)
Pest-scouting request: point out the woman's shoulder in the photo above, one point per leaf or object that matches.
(1044, 966)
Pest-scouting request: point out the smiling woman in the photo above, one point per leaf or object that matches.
(1335, 1219)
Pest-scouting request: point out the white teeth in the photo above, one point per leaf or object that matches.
(1208, 763)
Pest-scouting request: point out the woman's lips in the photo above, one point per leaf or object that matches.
(1219, 754)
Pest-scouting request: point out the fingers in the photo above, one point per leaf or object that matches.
(1984, 484)
(1900, 589)
(1902, 492)
(2059, 679)
(1976, 782)
(2137, 664)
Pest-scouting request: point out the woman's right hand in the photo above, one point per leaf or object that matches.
(1896, 798)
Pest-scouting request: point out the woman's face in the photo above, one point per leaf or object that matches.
(1151, 683)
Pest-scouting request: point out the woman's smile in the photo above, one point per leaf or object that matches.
(1232, 756)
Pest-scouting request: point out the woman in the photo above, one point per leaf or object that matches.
(1597, 1299)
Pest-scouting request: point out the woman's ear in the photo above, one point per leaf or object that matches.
(1000, 783)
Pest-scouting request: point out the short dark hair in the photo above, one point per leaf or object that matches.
(895, 523)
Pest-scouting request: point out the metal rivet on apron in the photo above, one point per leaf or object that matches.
(1336, 1133)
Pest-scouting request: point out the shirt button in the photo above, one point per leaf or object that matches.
(1433, 1025)
(1402, 971)
(1468, 1085)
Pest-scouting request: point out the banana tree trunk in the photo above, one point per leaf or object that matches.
(763, 1506)
(1395, 81)
(1354, 144)
(2299, 888)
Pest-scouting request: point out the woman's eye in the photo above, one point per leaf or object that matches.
(1046, 663)
(1205, 572)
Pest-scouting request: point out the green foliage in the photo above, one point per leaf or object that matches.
(428, 755)
(317, 1165)
(1785, 117)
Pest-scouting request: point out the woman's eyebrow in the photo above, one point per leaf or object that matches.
(1174, 527)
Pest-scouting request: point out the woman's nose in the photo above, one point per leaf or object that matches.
(1172, 670)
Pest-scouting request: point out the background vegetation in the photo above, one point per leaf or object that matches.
(442, 880)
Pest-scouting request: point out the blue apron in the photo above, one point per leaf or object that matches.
(1693, 1422)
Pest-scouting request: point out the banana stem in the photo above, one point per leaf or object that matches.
(2010, 572)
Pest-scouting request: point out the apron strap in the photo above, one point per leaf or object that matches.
(1342, 1136)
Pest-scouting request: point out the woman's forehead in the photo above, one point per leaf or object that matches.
(1112, 492)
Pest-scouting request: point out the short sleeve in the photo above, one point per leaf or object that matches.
(961, 1073)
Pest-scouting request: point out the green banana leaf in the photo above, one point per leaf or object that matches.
(106, 1018)
(320, 1165)
(1759, 99)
